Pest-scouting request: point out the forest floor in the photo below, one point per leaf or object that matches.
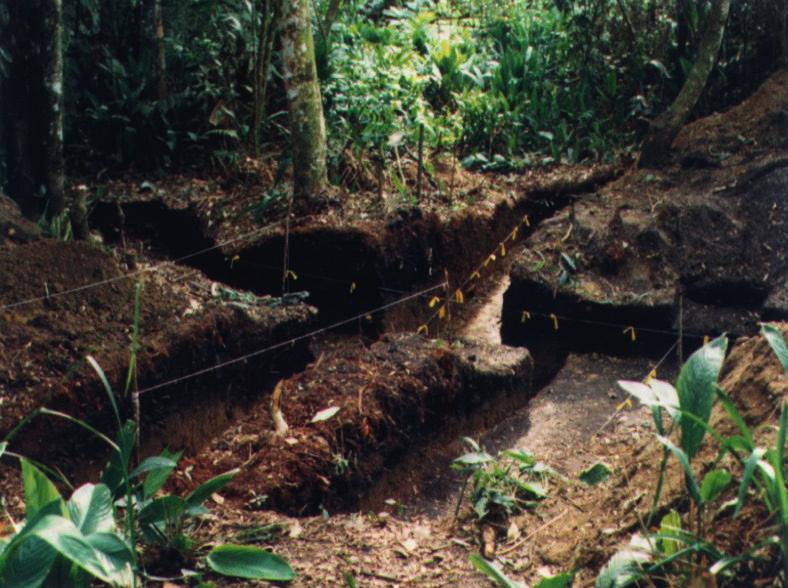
(536, 294)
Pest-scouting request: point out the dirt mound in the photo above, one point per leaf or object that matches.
(385, 398)
(701, 242)
(50, 320)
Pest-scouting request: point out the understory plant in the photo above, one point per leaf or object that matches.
(500, 487)
(683, 549)
(101, 532)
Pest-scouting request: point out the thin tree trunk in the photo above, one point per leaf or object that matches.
(265, 43)
(307, 125)
(331, 16)
(52, 63)
(161, 49)
(664, 129)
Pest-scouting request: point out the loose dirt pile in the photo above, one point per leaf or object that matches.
(381, 401)
(701, 243)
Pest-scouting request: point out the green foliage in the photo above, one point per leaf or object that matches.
(503, 486)
(674, 549)
(493, 572)
(243, 561)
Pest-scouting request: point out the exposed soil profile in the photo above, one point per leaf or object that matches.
(607, 275)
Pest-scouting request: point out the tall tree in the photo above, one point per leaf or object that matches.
(32, 97)
(161, 49)
(307, 125)
(666, 127)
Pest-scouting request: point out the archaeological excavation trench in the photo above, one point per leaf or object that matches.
(571, 267)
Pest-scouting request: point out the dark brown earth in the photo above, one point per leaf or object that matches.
(699, 245)
(710, 227)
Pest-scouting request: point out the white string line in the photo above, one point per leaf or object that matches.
(308, 335)
(130, 275)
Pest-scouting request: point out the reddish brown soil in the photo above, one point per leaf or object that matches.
(399, 391)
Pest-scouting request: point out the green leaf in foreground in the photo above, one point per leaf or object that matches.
(697, 390)
(493, 572)
(244, 561)
(626, 566)
(599, 472)
(560, 581)
(714, 484)
(777, 342)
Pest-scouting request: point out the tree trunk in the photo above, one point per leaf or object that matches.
(265, 43)
(664, 129)
(33, 107)
(161, 49)
(307, 126)
(52, 131)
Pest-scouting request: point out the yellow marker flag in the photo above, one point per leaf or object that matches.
(706, 340)
(459, 297)
(651, 375)
(352, 287)
(476, 276)
(422, 330)
(490, 258)
(503, 249)
(291, 274)
(433, 301)
(513, 236)
(526, 221)
(525, 316)
(442, 312)
(626, 404)
(632, 333)
(555, 321)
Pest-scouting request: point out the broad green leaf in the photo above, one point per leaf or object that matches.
(730, 408)
(560, 581)
(115, 556)
(714, 483)
(523, 457)
(90, 509)
(624, 568)
(493, 572)
(65, 538)
(166, 509)
(325, 414)
(28, 565)
(670, 523)
(776, 341)
(3, 447)
(532, 488)
(204, 491)
(599, 472)
(244, 561)
(746, 479)
(692, 483)
(114, 474)
(474, 458)
(696, 387)
(158, 469)
(39, 491)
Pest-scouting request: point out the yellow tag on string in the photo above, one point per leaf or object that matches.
(555, 321)
(459, 297)
(706, 340)
(626, 404)
(476, 276)
(651, 376)
(513, 236)
(433, 301)
(526, 221)
(422, 330)
(291, 274)
(525, 316)
(490, 258)
(442, 312)
(632, 333)
(352, 287)
(503, 250)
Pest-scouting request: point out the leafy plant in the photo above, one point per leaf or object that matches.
(676, 550)
(503, 486)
